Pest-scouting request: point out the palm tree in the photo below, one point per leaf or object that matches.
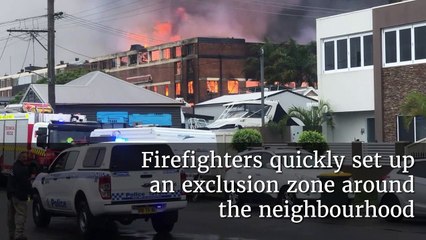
(285, 62)
(413, 105)
(315, 117)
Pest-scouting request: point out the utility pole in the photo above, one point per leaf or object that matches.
(51, 52)
(262, 85)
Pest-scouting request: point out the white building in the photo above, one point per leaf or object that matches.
(346, 74)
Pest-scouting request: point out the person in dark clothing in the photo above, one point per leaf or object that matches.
(18, 194)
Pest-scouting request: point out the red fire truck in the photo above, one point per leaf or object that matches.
(41, 135)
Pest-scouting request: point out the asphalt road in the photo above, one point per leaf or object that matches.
(201, 221)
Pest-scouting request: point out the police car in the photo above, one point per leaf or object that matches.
(104, 182)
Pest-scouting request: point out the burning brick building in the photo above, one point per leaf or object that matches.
(196, 69)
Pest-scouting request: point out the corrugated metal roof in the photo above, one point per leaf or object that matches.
(101, 88)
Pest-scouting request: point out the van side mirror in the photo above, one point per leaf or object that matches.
(41, 137)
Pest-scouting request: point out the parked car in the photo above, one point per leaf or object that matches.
(419, 196)
(103, 182)
(269, 173)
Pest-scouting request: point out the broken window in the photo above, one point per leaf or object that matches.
(178, 68)
(123, 61)
(133, 59)
(212, 86)
(191, 87)
(178, 51)
(233, 86)
(155, 55)
(166, 53)
(177, 89)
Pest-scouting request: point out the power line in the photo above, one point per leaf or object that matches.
(105, 29)
(26, 54)
(4, 48)
(69, 50)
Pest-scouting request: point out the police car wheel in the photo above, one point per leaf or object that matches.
(41, 218)
(164, 223)
(85, 219)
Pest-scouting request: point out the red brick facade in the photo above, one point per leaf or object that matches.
(207, 68)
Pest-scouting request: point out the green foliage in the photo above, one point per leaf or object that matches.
(285, 62)
(17, 98)
(313, 140)
(66, 76)
(278, 127)
(315, 117)
(413, 105)
(245, 138)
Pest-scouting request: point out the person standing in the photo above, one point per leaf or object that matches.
(18, 193)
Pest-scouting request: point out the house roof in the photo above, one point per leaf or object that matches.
(100, 88)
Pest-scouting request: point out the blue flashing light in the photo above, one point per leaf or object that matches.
(160, 206)
(61, 120)
(121, 139)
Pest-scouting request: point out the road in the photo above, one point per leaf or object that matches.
(201, 221)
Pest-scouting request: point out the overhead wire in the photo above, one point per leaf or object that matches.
(4, 48)
(26, 54)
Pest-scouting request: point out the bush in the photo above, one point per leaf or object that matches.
(245, 138)
(313, 140)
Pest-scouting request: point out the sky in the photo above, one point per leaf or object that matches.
(92, 28)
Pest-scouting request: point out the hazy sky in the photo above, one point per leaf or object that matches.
(93, 28)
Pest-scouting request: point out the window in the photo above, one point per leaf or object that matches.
(355, 45)
(212, 86)
(143, 57)
(94, 157)
(342, 54)
(133, 59)
(177, 89)
(178, 51)
(178, 68)
(71, 160)
(60, 163)
(191, 87)
(166, 53)
(420, 42)
(233, 86)
(166, 90)
(350, 52)
(329, 56)
(155, 55)
(123, 61)
(368, 50)
(404, 45)
(390, 43)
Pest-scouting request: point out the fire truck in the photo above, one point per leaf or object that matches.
(41, 135)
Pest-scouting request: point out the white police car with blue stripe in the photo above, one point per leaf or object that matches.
(105, 182)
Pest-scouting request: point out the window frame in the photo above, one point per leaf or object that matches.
(398, 46)
(348, 52)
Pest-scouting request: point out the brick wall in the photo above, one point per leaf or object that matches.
(397, 83)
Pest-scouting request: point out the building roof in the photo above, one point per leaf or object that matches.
(100, 88)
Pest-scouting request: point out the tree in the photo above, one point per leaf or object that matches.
(413, 105)
(61, 78)
(284, 63)
(66, 76)
(315, 117)
(17, 98)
